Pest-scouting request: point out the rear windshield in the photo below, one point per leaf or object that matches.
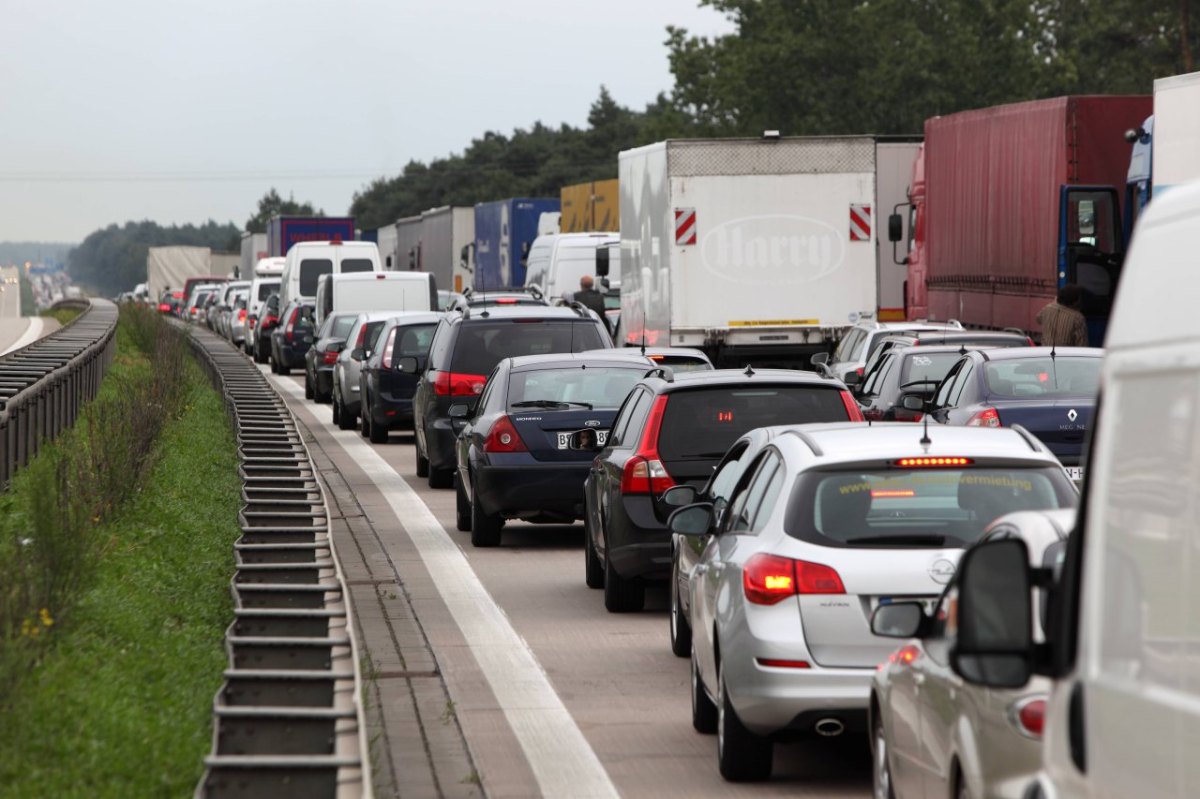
(201, 298)
(927, 368)
(918, 507)
(357, 265)
(266, 289)
(600, 387)
(1063, 376)
(371, 336)
(481, 346)
(311, 270)
(338, 327)
(679, 364)
(703, 423)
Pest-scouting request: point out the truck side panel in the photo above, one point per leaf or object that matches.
(1176, 131)
(444, 232)
(488, 267)
(590, 207)
(385, 238)
(893, 174)
(284, 231)
(408, 244)
(522, 229)
(646, 218)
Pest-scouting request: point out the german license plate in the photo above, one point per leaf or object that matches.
(926, 602)
(1075, 473)
(564, 439)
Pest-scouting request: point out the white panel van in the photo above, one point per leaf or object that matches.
(379, 291)
(307, 261)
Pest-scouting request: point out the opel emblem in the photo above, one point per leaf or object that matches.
(1072, 415)
(941, 570)
(594, 423)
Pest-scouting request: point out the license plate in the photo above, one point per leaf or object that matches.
(564, 439)
(927, 602)
(1075, 473)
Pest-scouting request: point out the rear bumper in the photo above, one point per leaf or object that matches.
(531, 488)
(323, 380)
(391, 412)
(636, 542)
(291, 356)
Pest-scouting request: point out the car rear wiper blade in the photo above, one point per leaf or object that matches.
(914, 540)
(551, 404)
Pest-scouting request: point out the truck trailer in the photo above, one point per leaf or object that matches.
(591, 207)
(254, 248)
(284, 231)
(758, 250)
(445, 232)
(504, 231)
(170, 267)
(1019, 200)
(1166, 147)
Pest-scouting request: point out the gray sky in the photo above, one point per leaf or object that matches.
(111, 111)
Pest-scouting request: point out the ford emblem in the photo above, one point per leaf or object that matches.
(592, 423)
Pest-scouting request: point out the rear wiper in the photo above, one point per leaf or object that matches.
(915, 540)
(551, 404)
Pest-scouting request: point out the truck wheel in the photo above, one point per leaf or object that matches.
(742, 756)
(485, 529)
(621, 594)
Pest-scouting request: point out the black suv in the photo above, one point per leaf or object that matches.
(292, 337)
(671, 430)
(466, 347)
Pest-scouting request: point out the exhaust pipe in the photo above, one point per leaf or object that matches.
(829, 728)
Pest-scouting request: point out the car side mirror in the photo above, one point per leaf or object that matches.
(357, 353)
(819, 359)
(585, 440)
(337, 346)
(994, 645)
(852, 379)
(895, 228)
(460, 411)
(407, 365)
(602, 255)
(912, 402)
(899, 620)
(678, 496)
(693, 520)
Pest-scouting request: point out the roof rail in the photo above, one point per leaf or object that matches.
(661, 371)
(807, 439)
(955, 323)
(1033, 441)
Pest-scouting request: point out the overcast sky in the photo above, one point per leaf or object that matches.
(185, 110)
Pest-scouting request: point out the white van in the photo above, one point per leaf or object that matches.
(308, 260)
(381, 291)
(1123, 644)
(556, 262)
(266, 280)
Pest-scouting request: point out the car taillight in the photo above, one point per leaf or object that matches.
(506, 300)
(242, 315)
(388, 347)
(290, 329)
(330, 357)
(852, 409)
(164, 307)
(193, 310)
(504, 437)
(988, 417)
(904, 655)
(457, 384)
(933, 462)
(252, 322)
(644, 473)
(767, 579)
(902, 414)
(1028, 715)
(271, 319)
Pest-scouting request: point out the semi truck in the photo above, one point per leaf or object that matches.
(504, 231)
(170, 267)
(1014, 202)
(1166, 147)
(445, 232)
(591, 207)
(385, 239)
(254, 248)
(758, 250)
(284, 231)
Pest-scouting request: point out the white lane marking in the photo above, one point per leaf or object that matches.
(31, 334)
(562, 760)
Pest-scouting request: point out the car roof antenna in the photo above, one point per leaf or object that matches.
(925, 439)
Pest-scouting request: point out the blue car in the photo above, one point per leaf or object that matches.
(526, 448)
(1051, 392)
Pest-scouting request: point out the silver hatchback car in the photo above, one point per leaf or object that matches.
(829, 523)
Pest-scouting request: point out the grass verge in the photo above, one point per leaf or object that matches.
(118, 699)
(62, 315)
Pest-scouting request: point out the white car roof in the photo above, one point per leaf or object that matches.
(851, 442)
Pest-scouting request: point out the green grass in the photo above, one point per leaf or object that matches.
(120, 702)
(62, 315)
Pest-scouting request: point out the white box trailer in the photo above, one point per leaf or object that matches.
(254, 249)
(170, 267)
(759, 250)
(385, 239)
(408, 244)
(1176, 143)
(445, 232)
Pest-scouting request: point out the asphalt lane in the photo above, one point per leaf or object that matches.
(614, 674)
(12, 327)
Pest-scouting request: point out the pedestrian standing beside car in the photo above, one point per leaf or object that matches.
(590, 298)
(1062, 322)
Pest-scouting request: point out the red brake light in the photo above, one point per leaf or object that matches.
(504, 437)
(271, 319)
(330, 357)
(242, 315)
(455, 384)
(163, 307)
(902, 414)
(988, 417)
(645, 473)
(1029, 716)
(904, 655)
(775, 663)
(932, 463)
(767, 579)
(290, 329)
(852, 409)
(506, 300)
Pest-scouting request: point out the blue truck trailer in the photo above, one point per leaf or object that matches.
(284, 231)
(504, 231)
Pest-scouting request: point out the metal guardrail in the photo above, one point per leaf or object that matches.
(288, 719)
(44, 384)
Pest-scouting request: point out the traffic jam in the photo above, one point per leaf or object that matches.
(790, 419)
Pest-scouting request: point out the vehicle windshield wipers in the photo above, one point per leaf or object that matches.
(910, 540)
(545, 403)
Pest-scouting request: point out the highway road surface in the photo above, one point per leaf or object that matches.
(16, 331)
(555, 696)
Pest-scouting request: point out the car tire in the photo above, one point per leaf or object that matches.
(462, 507)
(336, 411)
(704, 712)
(742, 756)
(485, 528)
(377, 433)
(282, 370)
(274, 365)
(344, 420)
(681, 628)
(422, 462)
(881, 767)
(593, 569)
(622, 594)
(439, 478)
(308, 387)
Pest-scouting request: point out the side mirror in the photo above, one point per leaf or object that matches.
(585, 439)
(852, 379)
(678, 496)
(358, 353)
(994, 646)
(601, 261)
(694, 520)
(912, 402)
(898, 620)
(819, 359)
(895, 228)
(460, 411)
(407, 365)
(337, 346)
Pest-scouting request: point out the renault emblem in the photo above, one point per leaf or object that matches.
(1072, 415)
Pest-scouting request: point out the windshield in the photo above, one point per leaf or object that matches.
(339, 327)
(918, 507)
(357, 265)
(266, 289)
(311, 270)
(600, 387)
(1063, 376)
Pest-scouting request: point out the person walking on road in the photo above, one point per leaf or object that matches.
(1062, 322)
(588, 297)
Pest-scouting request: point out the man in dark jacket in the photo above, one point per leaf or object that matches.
(1062, 322)
(588, 297)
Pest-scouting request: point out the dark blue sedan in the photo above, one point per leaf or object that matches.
(1049, 392)
(519, 453)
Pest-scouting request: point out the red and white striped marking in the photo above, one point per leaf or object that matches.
(685, 225)
(860, 223)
